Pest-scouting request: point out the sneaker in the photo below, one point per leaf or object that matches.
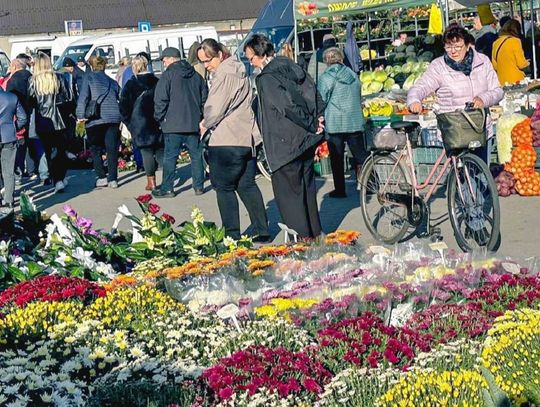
(33, 177)
(47, 181)
(158, 193)
(113, 184)
(199, 192)
(59, 187)
(101, 182)
(65, 181)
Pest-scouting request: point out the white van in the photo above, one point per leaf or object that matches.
(50, 45)
(115, 46)
(4, 63)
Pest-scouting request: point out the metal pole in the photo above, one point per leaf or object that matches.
(296, 50)
(447, 13)
(369, 41)
(533, 40)
(522, 19)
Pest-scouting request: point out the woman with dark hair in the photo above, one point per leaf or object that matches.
(460, 76)
(231, 148)
(288, 111)
(102, 131)
(508, 57)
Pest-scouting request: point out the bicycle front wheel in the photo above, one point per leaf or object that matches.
(385, 219)
(473, 205)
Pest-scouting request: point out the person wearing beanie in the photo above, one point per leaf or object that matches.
(488, 33)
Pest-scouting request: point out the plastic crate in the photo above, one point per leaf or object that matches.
(424, 158)
(430, 137)
(323, 167)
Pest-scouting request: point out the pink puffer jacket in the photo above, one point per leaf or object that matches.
(454, 89)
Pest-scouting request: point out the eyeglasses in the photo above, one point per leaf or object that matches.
(456, 48)
(251, 59)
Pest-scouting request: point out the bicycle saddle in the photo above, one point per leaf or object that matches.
(407, 127)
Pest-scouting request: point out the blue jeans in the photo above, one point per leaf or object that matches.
(173, 146)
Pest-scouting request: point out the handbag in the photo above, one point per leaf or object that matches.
(463, 129)
(93, 107)
(205, 138)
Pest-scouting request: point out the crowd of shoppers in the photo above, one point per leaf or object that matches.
(208, 101)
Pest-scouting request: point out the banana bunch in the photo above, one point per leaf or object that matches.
(378, 107)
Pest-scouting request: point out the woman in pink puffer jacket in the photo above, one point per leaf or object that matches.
(460, 76)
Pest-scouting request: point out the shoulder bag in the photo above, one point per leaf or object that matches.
(93, 107)
(463, 129)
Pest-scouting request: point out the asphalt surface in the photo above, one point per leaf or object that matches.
(520, 224)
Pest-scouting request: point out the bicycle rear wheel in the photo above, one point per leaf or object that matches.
(473, 205)
(386, 220)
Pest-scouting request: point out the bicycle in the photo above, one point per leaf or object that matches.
(389, 182)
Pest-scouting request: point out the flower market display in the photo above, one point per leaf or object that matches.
(180, 315)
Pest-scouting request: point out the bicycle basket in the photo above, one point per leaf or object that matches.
(463, 129)
(382, 137)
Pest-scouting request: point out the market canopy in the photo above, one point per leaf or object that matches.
(326, 8)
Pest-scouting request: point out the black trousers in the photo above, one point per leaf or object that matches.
(296, 195)
(105, 136)
(336, 146)
(152, 157)
(54, 145)
(233, 170)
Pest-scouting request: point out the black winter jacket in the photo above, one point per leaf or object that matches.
(18, 84)
(288, 110)
(137, 110)
(179, 99)
(52, 111)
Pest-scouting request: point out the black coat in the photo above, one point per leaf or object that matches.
(287, 112)
(179, 99)
(78, 76)
(137, 110)
(18, 84)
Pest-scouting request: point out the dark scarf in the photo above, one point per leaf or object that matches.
(464, 66)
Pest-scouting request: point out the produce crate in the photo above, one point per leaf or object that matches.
(424, 158)
(323, 167)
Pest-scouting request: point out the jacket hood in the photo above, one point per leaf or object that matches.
(231, 66)
(341, 74)
(286, 68)
(183, 68)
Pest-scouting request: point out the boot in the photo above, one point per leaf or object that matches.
(151, 183)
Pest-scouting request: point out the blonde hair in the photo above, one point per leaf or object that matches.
(45, 80)
(139, 64)
(287, 51)
(125, 61)
(98, 63)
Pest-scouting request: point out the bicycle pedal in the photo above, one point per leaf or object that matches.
(405, 187)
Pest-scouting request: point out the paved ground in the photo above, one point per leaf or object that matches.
(520, 216)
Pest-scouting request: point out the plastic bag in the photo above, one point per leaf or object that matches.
(505, 124)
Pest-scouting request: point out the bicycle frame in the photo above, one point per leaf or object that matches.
(406, 152)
